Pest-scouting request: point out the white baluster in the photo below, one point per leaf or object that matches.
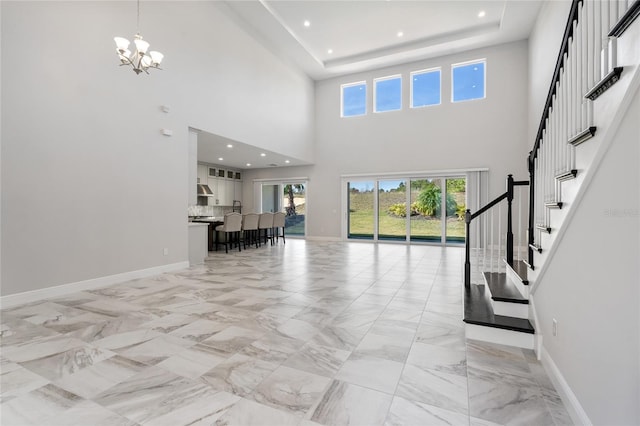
(519, 221)
(597, 37)
(613, 53)
(604, 47)
(500, 233)
(584, 65)
(613, 13)
(578, 74)
(491, 247)
(485, 241)
(590, 30)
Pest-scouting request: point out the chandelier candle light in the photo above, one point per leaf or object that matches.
(140, 60)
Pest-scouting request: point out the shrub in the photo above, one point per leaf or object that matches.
(399, 209)
(429, 202)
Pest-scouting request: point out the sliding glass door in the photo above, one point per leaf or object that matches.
(392, 210)
(456, 206)
(426, 217)
(360, 208)
(289, 197)
(407, 209)
(294, 204)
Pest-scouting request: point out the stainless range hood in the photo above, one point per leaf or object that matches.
(204, 191)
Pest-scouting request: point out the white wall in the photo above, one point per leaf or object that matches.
(90, 187)
(591, 287)
(482, 133)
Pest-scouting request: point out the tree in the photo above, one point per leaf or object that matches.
(289, 190)
(456, 185)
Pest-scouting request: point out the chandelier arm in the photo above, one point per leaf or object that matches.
(129, 61)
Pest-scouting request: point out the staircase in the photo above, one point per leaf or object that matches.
(509, 240)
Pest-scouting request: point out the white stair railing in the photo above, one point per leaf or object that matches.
(586, 67)
(499, 233)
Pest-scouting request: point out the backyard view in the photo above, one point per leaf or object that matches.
(425, 222)
(294, 203)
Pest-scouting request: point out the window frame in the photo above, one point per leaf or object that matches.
(375, 92)
(346, 85)
(484, 79)
(426, 71)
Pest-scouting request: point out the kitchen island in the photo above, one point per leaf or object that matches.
(197, 243)
(212, 221)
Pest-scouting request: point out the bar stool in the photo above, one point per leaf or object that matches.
(278, 223)
(250, 228)
(231, 227)
(265, 224)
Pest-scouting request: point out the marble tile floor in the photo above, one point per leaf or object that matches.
(307, 333)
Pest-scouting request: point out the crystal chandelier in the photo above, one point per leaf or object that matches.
(140, 60)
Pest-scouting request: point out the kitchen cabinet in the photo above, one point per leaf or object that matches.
(225, 187)
(213, 185)
(237, 190)
(225, 184)
(202, 174)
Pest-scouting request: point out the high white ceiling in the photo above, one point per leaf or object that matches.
(363, 35)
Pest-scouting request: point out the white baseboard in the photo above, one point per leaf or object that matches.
(318, 238)
(575, 410)
(61, 290)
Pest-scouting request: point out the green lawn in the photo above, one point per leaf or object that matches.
(361, 223)
(428, 228)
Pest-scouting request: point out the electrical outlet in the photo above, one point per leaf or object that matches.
(555, 327)
(166, 251)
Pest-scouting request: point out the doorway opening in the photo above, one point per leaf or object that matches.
(289, 197)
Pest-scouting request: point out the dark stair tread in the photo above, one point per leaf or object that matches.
(478, 311)
(502, 290)
(520, 268)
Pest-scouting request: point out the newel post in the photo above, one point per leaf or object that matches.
(532, 196)
(467, 250)
(509, 220)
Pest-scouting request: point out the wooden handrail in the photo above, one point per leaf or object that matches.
(627, 19)
(564, 48)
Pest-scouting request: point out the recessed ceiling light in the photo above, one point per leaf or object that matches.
(287, 161)
(220, 159)
(330, 51)
(307, 23)
(400, 34)
(248, 164)
(482, 14)
(229, 145)
(263, 155)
